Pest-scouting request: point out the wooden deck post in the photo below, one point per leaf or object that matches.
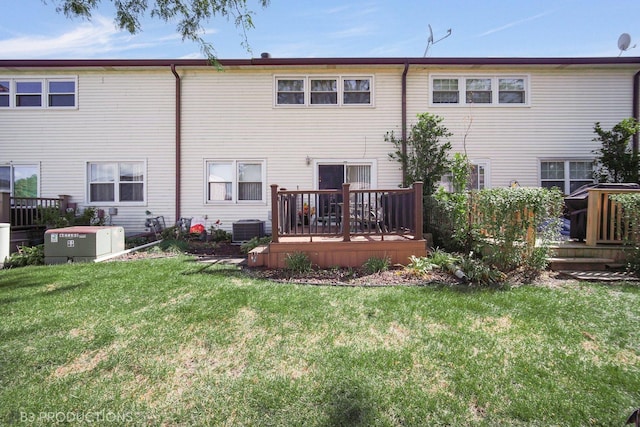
(346, 213)
(593, 217)
(64, 203)
(419, 209)
(5, 207)
(274, 213)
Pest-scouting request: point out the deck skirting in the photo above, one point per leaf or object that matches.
(326, 254)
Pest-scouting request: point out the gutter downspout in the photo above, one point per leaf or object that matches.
(404, 119)
(178, 148)
(636, 108)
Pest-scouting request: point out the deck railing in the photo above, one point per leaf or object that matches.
(27, 211)
(346, 213)
(605, 222)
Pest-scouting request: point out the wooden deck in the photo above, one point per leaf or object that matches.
(327, 252)
(344, 227)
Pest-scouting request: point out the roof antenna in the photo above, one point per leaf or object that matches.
(430, 40)
(623, 43)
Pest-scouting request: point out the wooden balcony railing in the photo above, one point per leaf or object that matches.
(605, 222)
(26, 211)
(345, 213)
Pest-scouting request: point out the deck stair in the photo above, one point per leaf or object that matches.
(577, 256)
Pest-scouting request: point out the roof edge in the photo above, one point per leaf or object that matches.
(88, 63)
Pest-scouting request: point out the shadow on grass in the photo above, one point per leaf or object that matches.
(349, 403)
(44, 293)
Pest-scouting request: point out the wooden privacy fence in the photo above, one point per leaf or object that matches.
(346, 213)
(27, 211)
(605, 222)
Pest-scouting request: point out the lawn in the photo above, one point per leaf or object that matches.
(174, 342)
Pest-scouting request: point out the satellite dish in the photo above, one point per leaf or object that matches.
(624, 41)
(430, 40)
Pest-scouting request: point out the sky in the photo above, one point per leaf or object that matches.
(32, 29)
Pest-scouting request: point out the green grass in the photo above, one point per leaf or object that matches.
(170, 341)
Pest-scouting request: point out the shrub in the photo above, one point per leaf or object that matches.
(631, 213)
(478, 272)
(26, 255)
(513, 221)
(419, 266)
(298, 262)
(376, 265)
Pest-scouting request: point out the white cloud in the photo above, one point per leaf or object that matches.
(96, 38)
(513, 24)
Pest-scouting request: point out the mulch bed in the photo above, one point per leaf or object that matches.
(395, 276)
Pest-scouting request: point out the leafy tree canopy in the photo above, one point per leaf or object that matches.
(426, 158)
(190, 15)
(616, 161)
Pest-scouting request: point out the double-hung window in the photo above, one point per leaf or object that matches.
(20, 180)
(59, 92)
(116, 182)
(356, 91)
(324, 91)
(235, 181)
(445, 91)
(5, 93)
(566, 175)
(337, 91)
(479, 90)
(28, 93)
(290, 91)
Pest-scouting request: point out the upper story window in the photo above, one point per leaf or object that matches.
(38, 92)
(445, 91)
(356, 91)
(325, 91)
(479, 90)
(290, 91)
(116, 182)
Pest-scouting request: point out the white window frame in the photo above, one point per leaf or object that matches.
(235, 181)
(44, 91)
(373, 163)
(495, 90)
(566, 171)
(485, 164)
(116, 183)
(12, 176)
(340, 79)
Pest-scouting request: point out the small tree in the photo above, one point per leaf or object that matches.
(616, 161)
(426, 159)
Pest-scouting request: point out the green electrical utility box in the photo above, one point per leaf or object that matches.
(82, 243)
